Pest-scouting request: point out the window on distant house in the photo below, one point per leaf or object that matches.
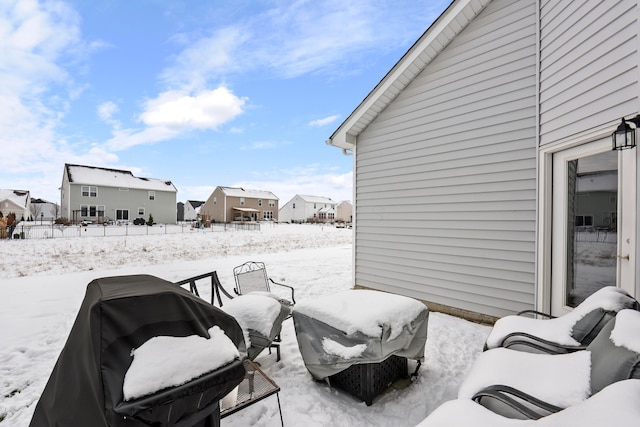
(88, 191)
(140, 211)
(92, 211)
(84, 210)
(241, 201)
(122, 214)
(152, 195)
(267, 215)
(101, 211)
(294, 206)
(259, 202)
(272, 203)
(215, 200)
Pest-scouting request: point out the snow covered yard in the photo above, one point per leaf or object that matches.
(43, 284)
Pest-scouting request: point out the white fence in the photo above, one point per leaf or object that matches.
(53, 231)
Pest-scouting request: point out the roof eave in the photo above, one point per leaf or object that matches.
(444, 29)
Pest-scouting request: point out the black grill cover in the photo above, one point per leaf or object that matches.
(117, 315)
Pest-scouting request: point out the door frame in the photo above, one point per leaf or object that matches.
(627, 164)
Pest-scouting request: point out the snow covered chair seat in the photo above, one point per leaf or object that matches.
(260, 317)
(571, 332)
(260, 314)
(339, 334)
(527, 385)
(616, 405)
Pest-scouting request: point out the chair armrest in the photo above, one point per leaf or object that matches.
(516, 399)
(537, 343)
(293, 299)
(538, 313)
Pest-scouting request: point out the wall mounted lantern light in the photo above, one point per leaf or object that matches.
(625, 135)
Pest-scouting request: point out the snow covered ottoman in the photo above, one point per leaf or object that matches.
(360, 340)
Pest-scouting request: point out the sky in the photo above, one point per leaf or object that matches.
(203, 93)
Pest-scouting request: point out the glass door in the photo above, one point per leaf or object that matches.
(593, 227)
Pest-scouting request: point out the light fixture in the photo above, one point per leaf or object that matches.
(625, 135)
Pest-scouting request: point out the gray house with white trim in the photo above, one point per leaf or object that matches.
(97, 194)
(477, 138)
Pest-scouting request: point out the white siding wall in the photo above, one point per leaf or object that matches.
(588, 66)
(446, 175)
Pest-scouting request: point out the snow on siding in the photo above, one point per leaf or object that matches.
(446, 174)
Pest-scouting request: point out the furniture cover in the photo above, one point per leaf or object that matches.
(117, 315)
(358, 326)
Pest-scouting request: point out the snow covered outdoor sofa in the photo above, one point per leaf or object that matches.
(360, 340)
(571, 332)
(601, 382)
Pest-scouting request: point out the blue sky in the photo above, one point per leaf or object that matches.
(202, 93)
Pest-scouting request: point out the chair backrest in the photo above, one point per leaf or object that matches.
(615, 352)
(251, 277)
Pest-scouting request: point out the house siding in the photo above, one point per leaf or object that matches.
(446, 175)
(588, 66)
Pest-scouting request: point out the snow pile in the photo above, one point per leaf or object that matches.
(159, 363)
(344, 352)
(364, 311)
(560, 379)
(558, 330)
(626, 331)
(253, 311)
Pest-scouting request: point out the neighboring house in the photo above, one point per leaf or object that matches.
(308, 209)
(44, 210)
(476, 141)
(192, 210)
(230, 204)
(17, 202)
(344, 211)
(99, 194)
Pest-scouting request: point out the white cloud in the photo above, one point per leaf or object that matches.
(207, 109)
(324, 121)
(312, 180)
(106, 110)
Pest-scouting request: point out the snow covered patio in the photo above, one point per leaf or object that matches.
(45, 285)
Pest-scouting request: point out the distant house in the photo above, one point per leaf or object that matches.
(344, 211)
(91, 193)
(229, 204)
(192, 210)
(17, 202)
(303, 208)
(44, 210)
(485, 150)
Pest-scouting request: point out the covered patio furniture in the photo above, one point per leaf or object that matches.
(252, 277)
(103, 376)
(571, 332)
(616, 405)
(360, 340)
(526, 385)
(260, 315)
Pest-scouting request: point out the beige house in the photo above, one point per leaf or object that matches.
(344, 211)
(230, 204)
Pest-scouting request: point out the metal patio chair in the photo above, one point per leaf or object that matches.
(252, 277)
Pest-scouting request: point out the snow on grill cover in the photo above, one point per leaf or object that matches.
(118, 315)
